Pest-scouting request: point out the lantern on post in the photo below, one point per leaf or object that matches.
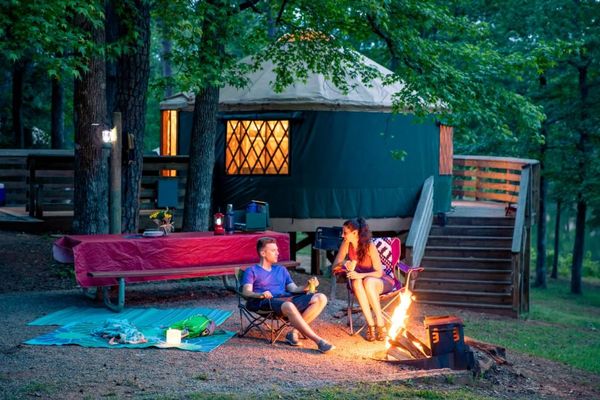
(218, 223)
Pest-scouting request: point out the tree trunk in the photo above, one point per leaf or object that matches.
(18, 79)
(91, 170)
(540, 268)
(6, 135)
(133, 73)
(111, 27)
(554, 274)
(198, 191)
(165, 61)
(57, 131)
(578, 246)
(585, 153)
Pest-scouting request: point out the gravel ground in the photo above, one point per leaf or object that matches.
(249, 365)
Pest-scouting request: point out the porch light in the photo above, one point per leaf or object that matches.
(106, 137)
(109, 136)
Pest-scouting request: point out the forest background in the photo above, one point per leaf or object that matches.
(515, 78)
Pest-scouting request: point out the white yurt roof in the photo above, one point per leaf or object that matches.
(316, 93)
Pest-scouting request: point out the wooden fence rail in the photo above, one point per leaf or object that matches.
(42, 180)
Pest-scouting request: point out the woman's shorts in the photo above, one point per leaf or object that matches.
(301, 301)
(388, 283)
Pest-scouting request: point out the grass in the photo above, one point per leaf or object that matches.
(561, 326)
(361, 391)
(38, 389)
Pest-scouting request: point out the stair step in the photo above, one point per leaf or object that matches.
(486, 285)
(502, 298)
(460, 293)
(470, 273)
(480, 221)
(465, 305)
(491, 230)
(466, 262)
(468, 251)
(469, 281)
(469, 241)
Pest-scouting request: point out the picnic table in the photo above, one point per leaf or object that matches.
(109, 260)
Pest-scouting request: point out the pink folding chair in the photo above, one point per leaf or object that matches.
(389, 249)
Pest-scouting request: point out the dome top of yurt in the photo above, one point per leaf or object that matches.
(317, 93)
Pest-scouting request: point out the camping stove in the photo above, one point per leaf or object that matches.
(446, 349)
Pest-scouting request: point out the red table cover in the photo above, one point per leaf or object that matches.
(177, 250)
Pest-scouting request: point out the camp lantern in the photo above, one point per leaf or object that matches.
(173, 337)
(218, 223)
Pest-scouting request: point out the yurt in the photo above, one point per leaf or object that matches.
(318, 155)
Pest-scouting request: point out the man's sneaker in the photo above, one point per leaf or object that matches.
(324, 346)
(292, 338)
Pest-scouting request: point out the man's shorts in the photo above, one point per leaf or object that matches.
(301, 301)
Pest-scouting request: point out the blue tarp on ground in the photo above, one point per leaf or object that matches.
(77, 324)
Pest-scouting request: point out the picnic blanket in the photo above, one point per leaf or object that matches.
(78, 323)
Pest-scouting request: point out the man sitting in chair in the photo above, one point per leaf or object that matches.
(270, 287)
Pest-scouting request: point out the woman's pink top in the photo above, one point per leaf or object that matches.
(366, 265)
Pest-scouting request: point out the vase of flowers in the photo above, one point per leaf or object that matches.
(163, 218)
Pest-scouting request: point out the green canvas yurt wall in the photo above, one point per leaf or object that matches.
(341, 166)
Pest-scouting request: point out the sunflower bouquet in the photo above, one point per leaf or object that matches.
(163, 218)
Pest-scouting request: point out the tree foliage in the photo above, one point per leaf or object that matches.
(446, 62)
(43, 32)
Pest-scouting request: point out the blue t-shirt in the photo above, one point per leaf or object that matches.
(275, 281)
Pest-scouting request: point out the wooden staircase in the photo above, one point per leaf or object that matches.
(468, 264)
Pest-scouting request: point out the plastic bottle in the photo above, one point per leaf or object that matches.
(312, 288)
(229, 220)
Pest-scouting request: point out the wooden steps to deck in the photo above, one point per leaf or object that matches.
(468, 264)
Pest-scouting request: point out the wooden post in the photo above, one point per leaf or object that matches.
(115, 176)
(515, 265)
(32, 188)
(293, 245)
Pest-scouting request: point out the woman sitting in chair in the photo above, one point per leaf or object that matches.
(363, 268)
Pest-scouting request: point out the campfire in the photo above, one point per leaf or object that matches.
(446, 348)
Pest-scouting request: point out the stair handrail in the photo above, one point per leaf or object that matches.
(522, 212)
(420, 225)
(521, 244)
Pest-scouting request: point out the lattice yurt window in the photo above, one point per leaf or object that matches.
(257, 147)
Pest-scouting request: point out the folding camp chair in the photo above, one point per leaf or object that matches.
(389, 252)
(269, 323)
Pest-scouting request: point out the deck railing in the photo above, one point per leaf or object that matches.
(492, 178)
(42, 180)
(420, 226)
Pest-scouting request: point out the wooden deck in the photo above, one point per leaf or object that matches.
(466, 208)
(17, 219)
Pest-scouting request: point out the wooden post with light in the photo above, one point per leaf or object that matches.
(112, 140)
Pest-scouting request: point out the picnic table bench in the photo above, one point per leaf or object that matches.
(190, 272)
(110, 260)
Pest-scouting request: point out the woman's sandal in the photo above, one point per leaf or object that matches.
(370, 335)
(380, 333)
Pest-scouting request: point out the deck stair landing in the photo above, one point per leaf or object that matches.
(468, 263)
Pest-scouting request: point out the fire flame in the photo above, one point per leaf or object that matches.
(399, 317)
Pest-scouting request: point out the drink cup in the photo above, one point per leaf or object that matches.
(350, 265)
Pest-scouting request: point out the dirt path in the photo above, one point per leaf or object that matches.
(32, 286)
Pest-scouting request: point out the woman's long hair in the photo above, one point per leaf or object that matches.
(364, 235)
